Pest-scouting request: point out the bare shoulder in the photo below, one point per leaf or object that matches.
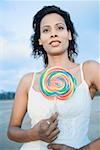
(27, 77)
(26, 80)
(91, 67)
(91, 70)
(91, 64)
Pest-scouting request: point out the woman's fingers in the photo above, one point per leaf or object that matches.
(52, 127)
(48, 128)
(53, 117)
(54, 146)
(54, 134)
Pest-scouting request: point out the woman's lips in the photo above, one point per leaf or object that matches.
(55, 43)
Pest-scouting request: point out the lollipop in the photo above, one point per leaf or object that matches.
(58, 82)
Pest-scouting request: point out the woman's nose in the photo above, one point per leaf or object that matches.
(53, 35)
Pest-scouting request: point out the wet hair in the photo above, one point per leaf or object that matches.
(38, 50)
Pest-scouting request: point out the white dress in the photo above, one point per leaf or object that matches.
(74, 116)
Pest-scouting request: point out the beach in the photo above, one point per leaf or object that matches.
(5, 112)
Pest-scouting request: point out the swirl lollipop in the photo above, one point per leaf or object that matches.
(58, 82)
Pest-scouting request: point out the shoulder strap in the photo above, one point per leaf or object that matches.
(81, 70)
(34, 75)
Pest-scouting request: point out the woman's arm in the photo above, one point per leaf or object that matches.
(41, 131)
(18, 112)
(95, 145)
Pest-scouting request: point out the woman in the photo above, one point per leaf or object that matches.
(59, 104)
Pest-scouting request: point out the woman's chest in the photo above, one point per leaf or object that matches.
(40, 107)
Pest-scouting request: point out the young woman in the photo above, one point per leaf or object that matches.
(58, 98)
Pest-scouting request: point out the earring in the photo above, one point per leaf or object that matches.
(40, 43)
(70, 39)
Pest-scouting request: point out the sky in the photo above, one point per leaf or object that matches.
(16, 29)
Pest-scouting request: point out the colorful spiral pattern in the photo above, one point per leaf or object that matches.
(58, 82)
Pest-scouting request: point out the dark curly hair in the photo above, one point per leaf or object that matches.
(38, 50)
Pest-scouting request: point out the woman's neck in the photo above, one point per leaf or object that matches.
(61, 61)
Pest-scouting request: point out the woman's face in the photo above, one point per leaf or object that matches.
(54, 36)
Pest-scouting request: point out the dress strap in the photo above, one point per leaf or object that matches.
(81, 70)
(33, 79)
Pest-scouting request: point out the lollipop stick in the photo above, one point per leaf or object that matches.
(55, 104)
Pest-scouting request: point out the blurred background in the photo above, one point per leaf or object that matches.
(15, 52)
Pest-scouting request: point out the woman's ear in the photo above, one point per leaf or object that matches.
(69, 35)
(40, 42)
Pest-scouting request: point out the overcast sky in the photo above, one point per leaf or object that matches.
(16, 29)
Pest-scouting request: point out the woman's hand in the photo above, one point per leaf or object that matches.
(94, 145)
(47, 129)
(59, 147)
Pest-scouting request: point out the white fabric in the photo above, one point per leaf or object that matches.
(74, 115)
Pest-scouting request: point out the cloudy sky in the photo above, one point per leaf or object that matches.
(16, 29)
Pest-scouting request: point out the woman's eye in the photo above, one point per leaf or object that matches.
(45, 30)
(60, 28)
